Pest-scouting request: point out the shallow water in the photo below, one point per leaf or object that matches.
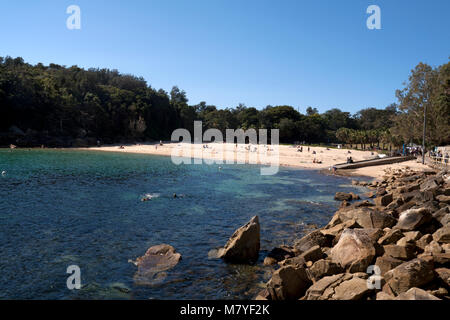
(59, 208)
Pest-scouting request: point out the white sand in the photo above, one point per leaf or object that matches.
(288, 155)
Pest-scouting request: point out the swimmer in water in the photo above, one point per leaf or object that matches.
(3, 173)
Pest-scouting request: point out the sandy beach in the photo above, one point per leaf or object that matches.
(288, 155)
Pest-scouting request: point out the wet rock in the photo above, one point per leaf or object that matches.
(244, 244)
(278, 254)
(416, 294)
(414, 273)
(442, 235)
(263, 295)
(157, 259)
(354, 251)
(288, 283)
(411, 219)
(341, 196)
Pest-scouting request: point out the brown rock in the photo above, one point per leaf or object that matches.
(156, 260)
(243, 246)
(384, 296)
(354, 251)
(316, 291)
(313, 254)
(383, 200)
(400, 252)
(411, 219)
(416, 294)
(288, 283)
(322, 268)
(370, 218)
(315, 238)
(353, 289)
(279, 254)
(442, 235)
(391, 236)
(341, 196)
(433, 247)
(424, 241)
(443, 275)
(443, 198)
(414, 273)
(386, 263)
(337, 229)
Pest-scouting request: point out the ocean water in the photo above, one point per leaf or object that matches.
(61, 208)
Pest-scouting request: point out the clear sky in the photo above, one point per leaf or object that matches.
(225, 52)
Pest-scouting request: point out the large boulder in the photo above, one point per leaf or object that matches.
(288, 283)
(411, 219)
(244, 244)
(414, 273)
(156, 260)
(355, 250)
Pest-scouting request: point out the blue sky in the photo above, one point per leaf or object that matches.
(300, 53)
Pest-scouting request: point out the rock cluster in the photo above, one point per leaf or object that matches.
(394, 248)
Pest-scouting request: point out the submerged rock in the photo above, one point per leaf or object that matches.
(244, 244)
(152, 265)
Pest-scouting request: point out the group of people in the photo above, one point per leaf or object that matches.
(439, 156)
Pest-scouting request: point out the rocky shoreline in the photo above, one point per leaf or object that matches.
(396, 247)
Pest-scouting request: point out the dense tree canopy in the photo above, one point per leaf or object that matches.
(68, 106)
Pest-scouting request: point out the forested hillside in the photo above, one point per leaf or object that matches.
(68, 106)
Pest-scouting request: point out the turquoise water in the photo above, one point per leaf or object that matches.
(59, 208)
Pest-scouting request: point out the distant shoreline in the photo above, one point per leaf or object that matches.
(289, 156)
